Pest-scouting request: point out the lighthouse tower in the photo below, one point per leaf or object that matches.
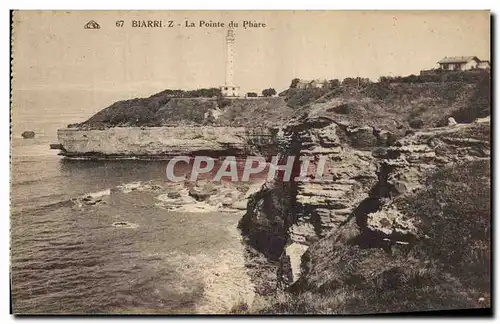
(229, 89)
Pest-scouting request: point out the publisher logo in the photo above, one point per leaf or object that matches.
(92, 25)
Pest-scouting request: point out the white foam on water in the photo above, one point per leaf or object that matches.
(98, 194)
(125, 225)
(128, 187)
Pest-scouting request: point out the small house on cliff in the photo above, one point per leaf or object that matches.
(462, 63)
(484, 65)
(308, 84)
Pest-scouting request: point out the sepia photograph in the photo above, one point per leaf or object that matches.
(271, 162)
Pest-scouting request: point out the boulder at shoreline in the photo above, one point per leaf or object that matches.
(28, 134)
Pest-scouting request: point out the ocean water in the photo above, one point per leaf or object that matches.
(73, 260)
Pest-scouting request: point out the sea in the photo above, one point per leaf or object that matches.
(67, 260)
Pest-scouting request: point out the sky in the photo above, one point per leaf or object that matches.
(53, 50)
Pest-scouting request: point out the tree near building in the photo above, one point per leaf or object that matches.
(294, 83)
(268, 92)
(334, 83)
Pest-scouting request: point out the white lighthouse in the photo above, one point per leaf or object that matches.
(229, 89)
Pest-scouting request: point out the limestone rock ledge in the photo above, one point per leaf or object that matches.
(151, 142)
(284, 218)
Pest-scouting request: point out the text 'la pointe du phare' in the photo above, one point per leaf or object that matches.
(200, 24)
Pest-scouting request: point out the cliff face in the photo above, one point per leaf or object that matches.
(163, 125)
(164, 141)
(286, 217)
(395, 228)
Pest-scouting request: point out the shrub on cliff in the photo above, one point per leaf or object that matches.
(203, 93)
(334, 83)
(300, 97)
(223, 102)
(294, 83)
(377, 91)
(268, 92)
(358, 81)
(437, 75)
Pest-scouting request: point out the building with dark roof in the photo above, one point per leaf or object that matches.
(462, 63)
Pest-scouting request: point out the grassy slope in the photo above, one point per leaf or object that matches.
(397, 106)
(394, 105)
(447, 269)
(156, 110)
(256, 112)
(161, 109)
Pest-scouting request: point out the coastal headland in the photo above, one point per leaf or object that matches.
(381, 234)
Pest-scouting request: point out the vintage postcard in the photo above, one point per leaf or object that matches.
(250, 162)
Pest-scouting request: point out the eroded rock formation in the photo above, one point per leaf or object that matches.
(352, 227)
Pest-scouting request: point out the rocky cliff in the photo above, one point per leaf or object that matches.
(384, 222)
(158, 142)
(286, 217)
(400, 220)
(163, 125)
